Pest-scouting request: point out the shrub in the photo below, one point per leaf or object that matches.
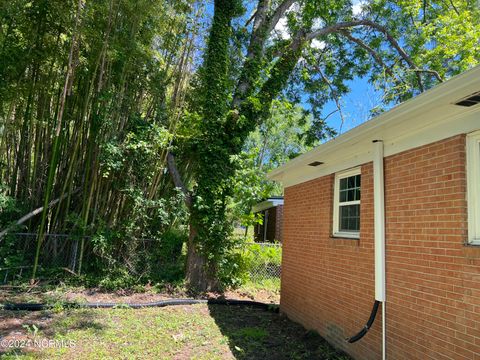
(171, 244)
(233, 270)
(118, 278)
(262, 255)
(10, 253)
(248, 261)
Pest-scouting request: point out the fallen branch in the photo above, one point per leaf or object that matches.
(35, 212)
(69, 271)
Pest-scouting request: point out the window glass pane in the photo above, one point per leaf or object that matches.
(349, 188)
(349, 215)
(351, 223)
(355, 210)
(351, 195)
(351, 182)
(349, 218)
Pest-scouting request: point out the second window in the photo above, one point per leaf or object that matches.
(346, 215)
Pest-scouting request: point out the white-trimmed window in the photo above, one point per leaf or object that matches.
(346, 204)
(473, 187)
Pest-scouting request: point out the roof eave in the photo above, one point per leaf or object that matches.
(448, 91)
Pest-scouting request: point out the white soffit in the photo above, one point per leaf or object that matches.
(267, 204)
(429, 117)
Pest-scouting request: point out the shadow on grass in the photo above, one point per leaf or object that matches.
(22, 327)
(16, 325)
(71, 320)
(17, 321)
(258, 334)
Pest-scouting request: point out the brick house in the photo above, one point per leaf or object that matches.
(271, 211)
(390, 212)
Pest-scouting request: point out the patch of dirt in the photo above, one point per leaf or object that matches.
(127, 296)
(17, 328)
(119, 297)
(95, 295)
(259, 295)
(12, 295)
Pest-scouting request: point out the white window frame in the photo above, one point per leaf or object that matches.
(336, 203)
(473, 187)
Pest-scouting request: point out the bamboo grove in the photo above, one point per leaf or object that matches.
(90, 95)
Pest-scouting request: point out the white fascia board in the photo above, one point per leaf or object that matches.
(427, 118)
(267, 204)
(360, 153)
(277, 202)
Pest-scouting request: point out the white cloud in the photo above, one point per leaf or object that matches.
(281, 29)
(317, 44)
(357, 6)
(317, 24)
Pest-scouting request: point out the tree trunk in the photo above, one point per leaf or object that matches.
(199, 275)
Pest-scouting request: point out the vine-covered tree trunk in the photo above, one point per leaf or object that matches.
(208, 226)
(130, 100)
(199, 274)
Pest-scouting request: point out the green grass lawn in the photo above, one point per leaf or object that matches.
(181, 332)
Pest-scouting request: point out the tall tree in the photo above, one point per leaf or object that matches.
(292, 48)
(97, 96)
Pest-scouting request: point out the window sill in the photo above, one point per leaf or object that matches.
(471, 250)
(346, 236)
(473, 244)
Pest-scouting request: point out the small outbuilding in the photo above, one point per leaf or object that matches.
(387, 217)
(271, 211)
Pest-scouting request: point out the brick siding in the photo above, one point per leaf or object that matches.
(433, 279)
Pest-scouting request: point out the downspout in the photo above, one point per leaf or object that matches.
(379, 216)
(379, 244)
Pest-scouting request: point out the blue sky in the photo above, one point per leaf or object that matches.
(356, 104)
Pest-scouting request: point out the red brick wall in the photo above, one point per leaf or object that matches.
(433, 279)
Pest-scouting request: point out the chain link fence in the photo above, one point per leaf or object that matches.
(264, 261)
(60, 257)
(63, 254)
(17, 261)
